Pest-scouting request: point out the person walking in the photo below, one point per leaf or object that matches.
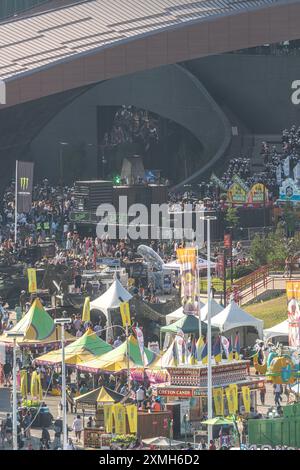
(77, 427)
(262, 393)
(277, 394)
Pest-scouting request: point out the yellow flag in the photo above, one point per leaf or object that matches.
(218, 401)
(230, 400)
(246, 398)
(125, 313)
(32, 284)
(234, 388)
(24, 388)
(39, 387)
(86, 312)
(132, 416)
(108, 418)
(34, 385)
(119, 412)
(199, 346)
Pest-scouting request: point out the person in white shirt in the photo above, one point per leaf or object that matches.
(77, 427)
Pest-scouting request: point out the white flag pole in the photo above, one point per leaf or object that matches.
(16, 202)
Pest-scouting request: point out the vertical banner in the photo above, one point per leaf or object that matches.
(227, 241)
(32, 284)
(292, 290)
(132, 416)
(140, 339)
(188, 270)
(24, 186)
(125, 313)
(230, 400)
(234, 389)
(119, 412)
(294, 323)
(86, 312)
(246, 398)
(218, 401)
(108, 418)
(24, 388)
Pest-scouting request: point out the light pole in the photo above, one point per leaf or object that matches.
(209, 218)
(61, 173)
(62, 322)
(15, 336)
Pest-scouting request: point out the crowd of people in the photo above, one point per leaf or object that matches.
(132, 125)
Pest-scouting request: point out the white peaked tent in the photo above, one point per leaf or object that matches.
(111, 298)
(215, 309)
(177, 314)
(281, 329)
(234, 317)
(175, 266)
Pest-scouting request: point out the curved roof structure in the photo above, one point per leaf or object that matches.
(93, 40)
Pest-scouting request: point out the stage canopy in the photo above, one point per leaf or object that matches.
(234, 317)
(38, 328)
(281, 329)
(111, 298)
(116, 360)
(86, 348)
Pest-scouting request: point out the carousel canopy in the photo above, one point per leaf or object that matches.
(111, 298)
(86, 348)
(116, 360)
(234, 317)
(37, 327)
(188, 324)
(281, 329)
(101, 395)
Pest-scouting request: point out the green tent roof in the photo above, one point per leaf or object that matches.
(188, 324)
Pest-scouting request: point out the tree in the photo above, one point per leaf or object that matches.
(259, 250)
(231, 217)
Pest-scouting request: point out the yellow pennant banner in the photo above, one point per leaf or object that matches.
(230, 400)
(24, 387)
(132, 416)
(119, 412)
(32, 284)
(108, 418)
(234, 389)
(246, 398)
(218, 401)
(125, 313)
(86, 312)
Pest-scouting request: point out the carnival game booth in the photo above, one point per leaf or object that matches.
(38, 329)
(186, 391)
(95, 401)
(234, 319)
(86, 348)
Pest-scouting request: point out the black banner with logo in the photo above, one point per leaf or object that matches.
(24, 175)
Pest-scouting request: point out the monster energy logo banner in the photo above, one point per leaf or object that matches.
(24, 178)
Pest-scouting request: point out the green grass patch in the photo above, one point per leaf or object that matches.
(271, 312)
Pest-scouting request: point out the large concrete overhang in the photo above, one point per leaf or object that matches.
(62, 54)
